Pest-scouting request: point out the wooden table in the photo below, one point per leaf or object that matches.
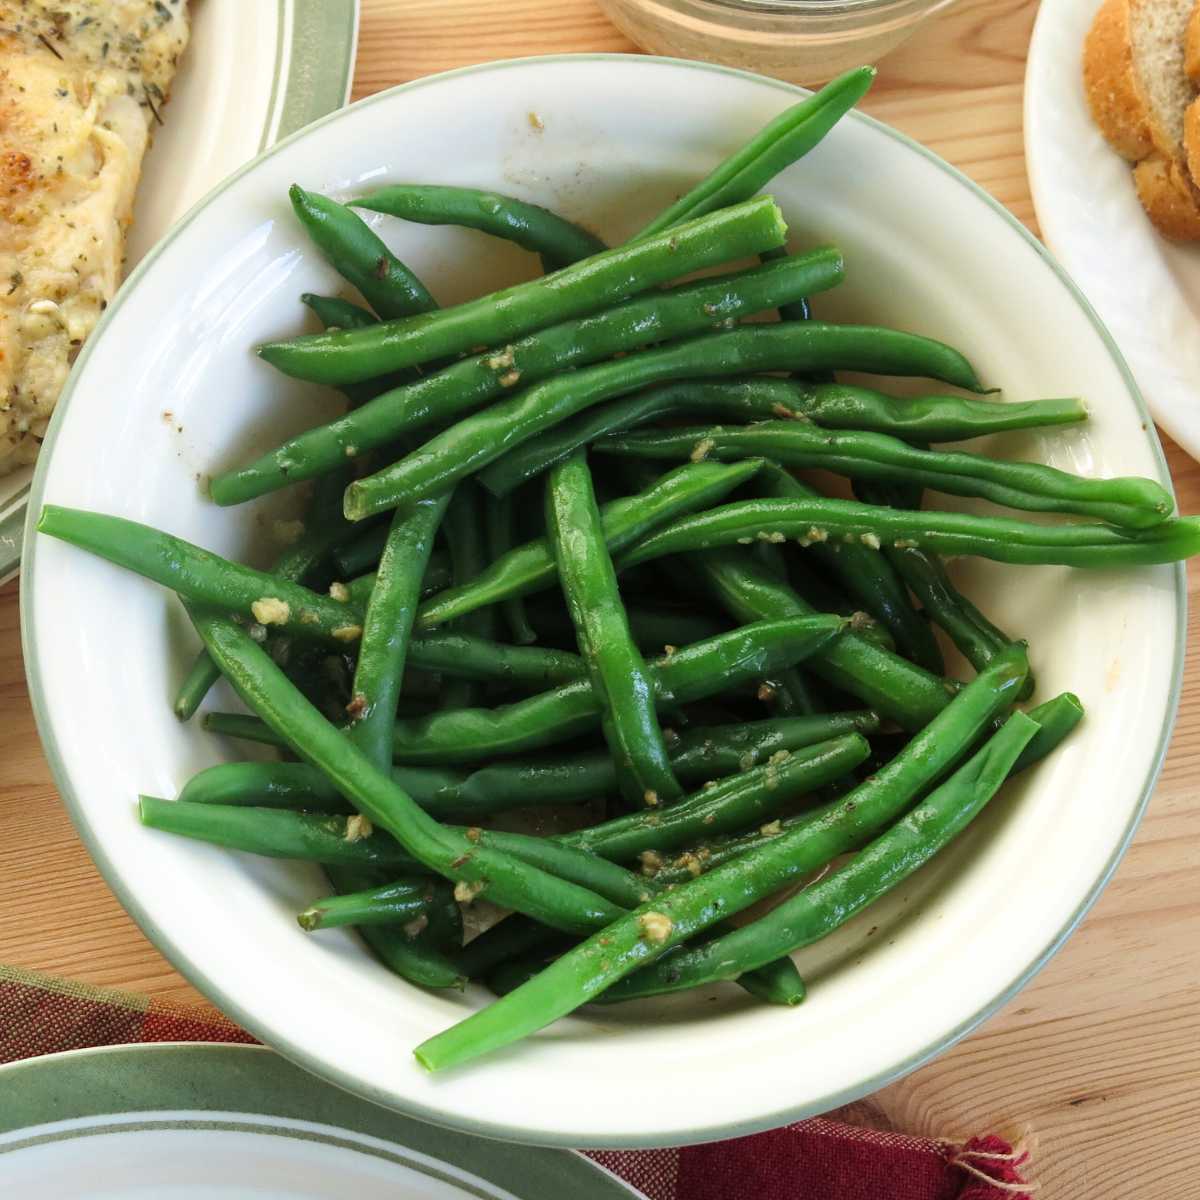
(1097, 1062)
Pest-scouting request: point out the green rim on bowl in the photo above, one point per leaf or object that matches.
(180, 1087)
(730, 1128)
(312, 76)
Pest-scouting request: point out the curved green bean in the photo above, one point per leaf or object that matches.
(728, 806)
(1125, 501)
(690, 673)
(485, 436)
(999, 538)
(336, 313)
(500, 522)
(528, 225)
(891, 685)
(615, 667)
(360, 256)
(204, 577)
(399, 902)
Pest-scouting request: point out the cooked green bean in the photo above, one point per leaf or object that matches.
(278, 833)
(500, 520)
(528, 225)
(615, 667)
(469, 384)
(644, 935)
(483, 437)
(1055, 719)
(775, 147)
(324, 529)
(653, 628)
(816, 911)
(463, 657)
(360, 256)
(347, 356)
(697, 755)
(999, 538)
(728, 805)
(206, 578)
(398, 902)
(335, 313)
(387, 627)
(691, 673)
(507, 882)
(1129, 502)
(530, 567)
(892, 686)
(868, 578)
(424, 958)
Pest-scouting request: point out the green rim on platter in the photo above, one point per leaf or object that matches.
(177, 1086)
(314, 69)
(780, 1116)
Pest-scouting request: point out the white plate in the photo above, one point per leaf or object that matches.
(209, 1122)
(925, 250)
(1145, 288)
(252, 74)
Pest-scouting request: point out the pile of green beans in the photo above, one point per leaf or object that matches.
(521, 645)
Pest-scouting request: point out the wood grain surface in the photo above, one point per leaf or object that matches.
(1097, 1062)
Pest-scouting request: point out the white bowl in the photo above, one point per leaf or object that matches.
(170, 390)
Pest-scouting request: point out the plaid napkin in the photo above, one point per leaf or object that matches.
(811, 1160)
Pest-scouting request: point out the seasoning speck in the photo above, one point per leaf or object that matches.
(358, 827)
(655, 926)
(270, 610)
(348, 633)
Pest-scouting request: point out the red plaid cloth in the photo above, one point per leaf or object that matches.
(811, 1160)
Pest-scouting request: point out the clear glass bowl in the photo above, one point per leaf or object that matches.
(806, 41)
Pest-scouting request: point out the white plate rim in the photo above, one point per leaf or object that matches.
(315, 52)
(209, 1085)
(726, 1129)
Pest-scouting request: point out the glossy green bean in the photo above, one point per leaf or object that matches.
(868, 578)
(692, 672)
(817, 910)
(729, 805)
(204, 577)
(506, 881)
(469, 384)
(999, 538)
(336, 313)
(528, 225)
(582, 288)
(398, 902)
(468, 557)
(775, 147)
(483, 437)
(531, 567)
(360, 256)
(1125, 501)
(421, 956)
(646, 934)
(1056, 718)
(697, 755)
(615, 667)
(892, 686)
(387, 627)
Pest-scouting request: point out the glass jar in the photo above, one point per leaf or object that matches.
(805, 41)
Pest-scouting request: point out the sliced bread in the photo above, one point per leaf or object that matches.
(1141, 96)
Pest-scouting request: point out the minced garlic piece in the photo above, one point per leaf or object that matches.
(870, 539)
(415, 927)
(270, 610)
(655, 926)
(465, 892)
(339, 591)
(501, 361)
(358, 827)
(510, 378)
(772, 829)
(348, 633)
(650, 798)
(700, 450)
